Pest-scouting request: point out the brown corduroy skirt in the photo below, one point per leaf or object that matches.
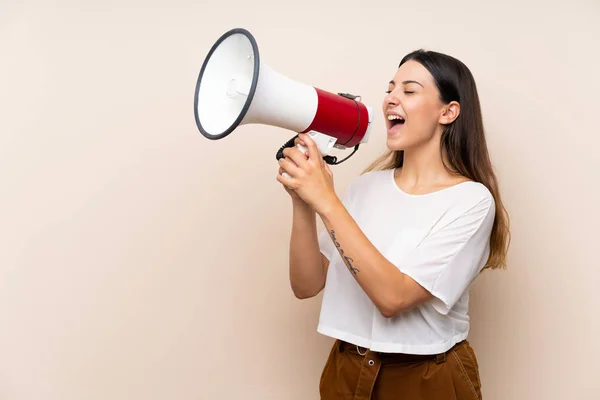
(360, 374)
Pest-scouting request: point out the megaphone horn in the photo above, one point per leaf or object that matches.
(235, 87)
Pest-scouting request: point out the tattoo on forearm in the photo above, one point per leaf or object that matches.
(347, 259)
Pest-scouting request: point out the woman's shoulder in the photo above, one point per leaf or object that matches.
(474, 199)
(475, 190)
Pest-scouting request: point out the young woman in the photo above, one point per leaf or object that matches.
(404, 243)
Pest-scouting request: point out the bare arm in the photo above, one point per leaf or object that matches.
(311, 179)
(389, 289)
(308, 267)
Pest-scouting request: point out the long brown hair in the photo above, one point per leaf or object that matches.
(463, 141)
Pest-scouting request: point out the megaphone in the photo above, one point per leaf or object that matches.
(235, 88)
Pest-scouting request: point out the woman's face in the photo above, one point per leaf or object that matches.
(412, 107)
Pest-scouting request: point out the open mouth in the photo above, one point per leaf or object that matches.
(394, 120)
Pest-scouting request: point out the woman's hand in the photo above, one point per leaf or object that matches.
(310, 178)
(296, 200)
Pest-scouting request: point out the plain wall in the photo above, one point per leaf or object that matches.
(139, 260)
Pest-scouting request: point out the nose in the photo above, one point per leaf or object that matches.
(391, 99)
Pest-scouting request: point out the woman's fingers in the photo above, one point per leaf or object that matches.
(299, 141)
(313, 150)
(287, 181)
(294, 154)
(289, 166)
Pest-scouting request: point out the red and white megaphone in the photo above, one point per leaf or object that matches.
(235, 88)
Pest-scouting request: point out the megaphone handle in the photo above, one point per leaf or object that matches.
(324, 144)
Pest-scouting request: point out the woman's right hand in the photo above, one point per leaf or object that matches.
(295, 198)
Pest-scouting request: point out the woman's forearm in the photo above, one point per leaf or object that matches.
(379, 278)
(307, 272)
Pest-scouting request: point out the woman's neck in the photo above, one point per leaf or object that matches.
(423, 169)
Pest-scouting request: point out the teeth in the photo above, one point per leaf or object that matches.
(393, 117)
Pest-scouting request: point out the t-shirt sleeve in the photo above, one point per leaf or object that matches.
(326, 245)
(447, 261)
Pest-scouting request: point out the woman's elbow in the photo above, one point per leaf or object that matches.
(303, 294)
(402, 297)
(392, 306)
(389, 311)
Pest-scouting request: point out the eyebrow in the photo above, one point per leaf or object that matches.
(406, 82)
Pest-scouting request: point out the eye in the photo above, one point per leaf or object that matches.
(408, 92)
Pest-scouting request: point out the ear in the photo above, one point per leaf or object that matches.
(450, 112)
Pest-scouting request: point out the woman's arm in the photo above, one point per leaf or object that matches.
(444, 264)
(389, 289)
(308, 267)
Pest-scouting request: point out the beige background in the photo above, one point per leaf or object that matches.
(139, 260)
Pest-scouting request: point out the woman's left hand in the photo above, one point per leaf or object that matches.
(310, 178)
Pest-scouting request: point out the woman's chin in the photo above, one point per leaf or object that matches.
(396, 142)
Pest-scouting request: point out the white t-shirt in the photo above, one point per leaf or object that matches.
(440, 239)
